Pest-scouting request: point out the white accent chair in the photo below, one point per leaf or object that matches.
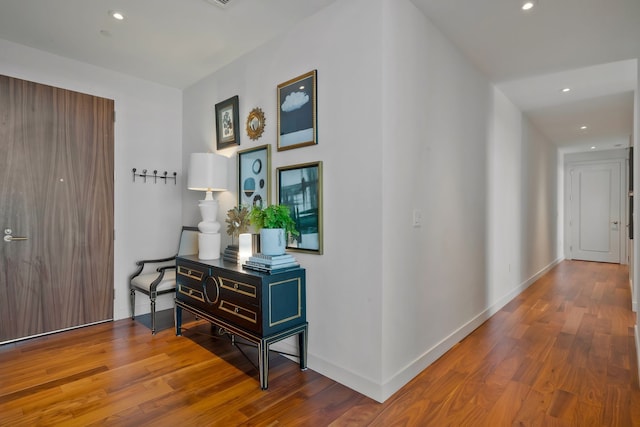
(162, 280)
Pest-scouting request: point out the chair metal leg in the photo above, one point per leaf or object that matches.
(153, 316)
(132, 297)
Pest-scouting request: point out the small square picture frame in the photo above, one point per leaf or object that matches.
(227, 123)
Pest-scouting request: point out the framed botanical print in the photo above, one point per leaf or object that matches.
(254, 170)
(300, 188)
(227, 123)
(297, 112)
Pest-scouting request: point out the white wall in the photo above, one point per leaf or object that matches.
(405, 122)
(635, 271)
(539, 204)
(636, 198)
(343, 43)
(505, 238)
(434, 151)
(635, 250)
(457, 150)
(147, 136)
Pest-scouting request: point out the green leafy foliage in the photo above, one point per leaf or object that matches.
(273, 216)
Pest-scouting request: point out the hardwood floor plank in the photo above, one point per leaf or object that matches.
(50, 384)
(617, 408)
(562, 353)
(507, 407)
(563, 405)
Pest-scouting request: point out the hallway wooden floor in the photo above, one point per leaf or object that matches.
(560, 354)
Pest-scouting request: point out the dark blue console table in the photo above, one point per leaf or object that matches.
(258, 307)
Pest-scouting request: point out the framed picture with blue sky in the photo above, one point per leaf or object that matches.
(297, 112)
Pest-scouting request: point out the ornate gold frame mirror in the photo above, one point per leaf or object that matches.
(255, 123)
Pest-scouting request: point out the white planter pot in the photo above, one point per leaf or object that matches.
(272, 241)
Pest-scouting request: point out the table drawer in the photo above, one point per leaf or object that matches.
(246, 317)
(190, 278)
(190, 273)
(186, 292)
(241, 292)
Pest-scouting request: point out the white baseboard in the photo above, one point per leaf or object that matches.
(431, 355)
(634, 303)
(381, 392)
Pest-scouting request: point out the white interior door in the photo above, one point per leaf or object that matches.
(595, 220)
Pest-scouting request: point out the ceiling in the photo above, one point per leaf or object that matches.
(172, 42)
(591, 46)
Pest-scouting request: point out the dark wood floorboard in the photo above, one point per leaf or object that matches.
(560, 354)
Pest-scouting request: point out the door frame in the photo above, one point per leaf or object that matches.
(598, 158)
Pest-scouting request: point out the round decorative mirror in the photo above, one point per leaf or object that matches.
(255, 123)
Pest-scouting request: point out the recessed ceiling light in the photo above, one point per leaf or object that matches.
(528, 5)
(583, 127)
(593, 147)
(116, 15)
(566, 89)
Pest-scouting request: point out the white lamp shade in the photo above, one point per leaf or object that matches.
(207, 172)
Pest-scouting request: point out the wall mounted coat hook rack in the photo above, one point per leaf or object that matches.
(164, 176)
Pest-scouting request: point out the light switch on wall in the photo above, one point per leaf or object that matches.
(417, 217)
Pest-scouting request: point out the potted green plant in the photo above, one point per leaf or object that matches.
(274, 223)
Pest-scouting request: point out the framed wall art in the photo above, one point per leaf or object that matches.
(300, 188)
(227, 123)
(297, 112)
(254, 170)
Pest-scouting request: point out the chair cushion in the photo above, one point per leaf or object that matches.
(143, 281)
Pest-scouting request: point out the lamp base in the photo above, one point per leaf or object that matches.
(208, 246)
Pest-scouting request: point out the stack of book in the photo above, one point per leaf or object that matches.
(271, 263)
(231, 254)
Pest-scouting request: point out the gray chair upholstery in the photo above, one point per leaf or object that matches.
(161, 280)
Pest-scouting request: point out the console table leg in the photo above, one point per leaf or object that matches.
(302, 348)
(263, 364)
(177, 317)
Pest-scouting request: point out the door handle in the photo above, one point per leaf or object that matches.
(9, 238)
(614, 222)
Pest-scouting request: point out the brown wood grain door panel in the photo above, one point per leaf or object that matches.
(56, 189)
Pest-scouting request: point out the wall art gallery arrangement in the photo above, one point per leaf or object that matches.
(298, 186)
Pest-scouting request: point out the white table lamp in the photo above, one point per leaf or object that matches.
(208, 172)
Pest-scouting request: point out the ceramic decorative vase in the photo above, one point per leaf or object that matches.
(272, 241)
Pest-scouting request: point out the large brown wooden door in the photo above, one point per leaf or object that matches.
(56, 190)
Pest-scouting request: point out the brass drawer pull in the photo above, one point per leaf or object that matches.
(190, 273)
(239, 287)
(191, 293)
